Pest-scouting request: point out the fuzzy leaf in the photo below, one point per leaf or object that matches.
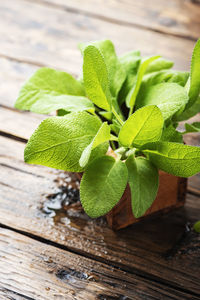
(58, 142)
(47, 83)
(169, 97)
(173, 158)
(102, 185)
(130, 62)
(48, 104)
(106, 115)
(116, 72)
(143, 182)
(190, 112)
(159, 64)
(170, 134)
(144, 126)
(131, 98)
(95, 76)
(195, 75)
(102, 135)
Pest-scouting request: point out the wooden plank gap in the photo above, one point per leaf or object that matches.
(9, 293)
(13, 137)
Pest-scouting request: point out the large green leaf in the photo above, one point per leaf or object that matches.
(177, 159)
(102, 185)
(58, 142)
(169, 97)
(47, 104)
(194, 75)
(115, 69)
(189, 112)
(144, 126)
(143, 182)
(47, 83)
(159, 64)
(130, 62)
(95, 76)
(103, 135)
(160, 77)
(131, 98)
(170, 134)
(116, 72)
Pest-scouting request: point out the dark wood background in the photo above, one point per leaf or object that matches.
(64, 254)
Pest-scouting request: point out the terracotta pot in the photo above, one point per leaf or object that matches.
(171, 195)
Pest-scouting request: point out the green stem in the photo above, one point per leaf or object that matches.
(131, 152)
(112, 145)
(117, 116)
(130, 111)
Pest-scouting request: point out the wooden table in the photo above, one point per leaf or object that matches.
(60, 253)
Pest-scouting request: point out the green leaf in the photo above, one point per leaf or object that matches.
(47, 83)
(143, 181)
(103, 135)
(177, 159)
(170, 134)
(144, 126)
(169, 97)
(189, 112)
(160, 77)
(95, 77)
(58, 142)
(62, 112)
(196, 227)
(194, 75)
(130, 62)
(102, 185)
(47, 104)
(193, 105)
(116, 72)
(131, 98)
(194, 127)
(106, 114)
(159, 64)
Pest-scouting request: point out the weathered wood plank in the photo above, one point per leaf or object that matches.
(174, 17)
(12, 76)
(19, 124)
(33, 270)
(31, 202)
(50, 36)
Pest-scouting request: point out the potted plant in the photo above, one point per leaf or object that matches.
(118, 126)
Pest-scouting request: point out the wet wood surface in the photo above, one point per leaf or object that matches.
(49, 249)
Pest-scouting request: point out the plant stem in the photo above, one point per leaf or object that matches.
(130, 111)
(113, 145)
(117, 116)
(131, 152)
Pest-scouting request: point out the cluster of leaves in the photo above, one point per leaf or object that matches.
(128, 106)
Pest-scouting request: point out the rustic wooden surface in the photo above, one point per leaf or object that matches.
(53, 251)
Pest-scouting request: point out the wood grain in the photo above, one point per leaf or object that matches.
(176, 17)
(19, 124)
(33, 270)
(12, 76)
(141, 249)
(50, 36)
